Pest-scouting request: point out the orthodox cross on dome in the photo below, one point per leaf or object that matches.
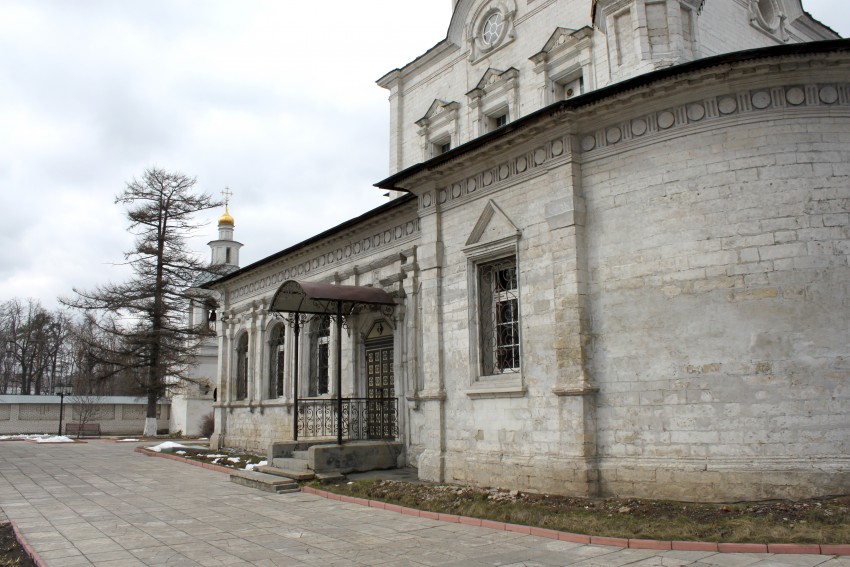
(227, 193)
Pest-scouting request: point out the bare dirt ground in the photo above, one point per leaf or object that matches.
(824, 521)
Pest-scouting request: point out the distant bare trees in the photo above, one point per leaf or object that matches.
(32, 347)
(40, 349)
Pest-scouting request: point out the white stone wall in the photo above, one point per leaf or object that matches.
(683, 251)
(117, 415)
(719, 266)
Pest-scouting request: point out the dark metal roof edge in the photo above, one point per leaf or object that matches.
(597, 95)
(395, 203)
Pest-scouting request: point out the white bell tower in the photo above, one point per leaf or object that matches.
(225, 250)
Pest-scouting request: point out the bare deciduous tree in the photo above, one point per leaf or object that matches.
(148, 312)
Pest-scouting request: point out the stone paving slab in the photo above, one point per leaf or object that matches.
(103, 504)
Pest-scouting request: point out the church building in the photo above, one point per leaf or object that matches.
(615, 262)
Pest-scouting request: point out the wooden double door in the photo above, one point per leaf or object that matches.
(381, 403)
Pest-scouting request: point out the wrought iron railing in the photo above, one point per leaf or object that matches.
(362, 418)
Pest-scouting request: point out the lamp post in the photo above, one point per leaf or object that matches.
(61, 390)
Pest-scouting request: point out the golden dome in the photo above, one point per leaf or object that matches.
(225, 218)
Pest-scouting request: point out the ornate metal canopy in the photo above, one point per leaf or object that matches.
(326, 299)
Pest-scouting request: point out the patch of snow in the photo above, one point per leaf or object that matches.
(128, 440)
(234, 459)
(251, 466)
(43, 438)
(167, 445)
(180, 452)
(214, 456)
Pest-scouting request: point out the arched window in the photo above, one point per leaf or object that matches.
(277, 340)
(242, 367)
(320, 357)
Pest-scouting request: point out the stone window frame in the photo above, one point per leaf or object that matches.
(438, 127)
(565, 58)
(241, 351)
(496, 93)
(478, 48)
(321, 340)
(771, 23)
(501, 384)
(277, 343)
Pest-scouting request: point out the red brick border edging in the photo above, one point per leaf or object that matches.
(32, 553)
(217, 468)
(810, 549)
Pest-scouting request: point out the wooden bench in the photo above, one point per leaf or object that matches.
(83, 429)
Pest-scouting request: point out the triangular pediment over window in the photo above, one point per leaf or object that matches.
(436, 110)
(493, 226)
(493, 78)
(563, 39)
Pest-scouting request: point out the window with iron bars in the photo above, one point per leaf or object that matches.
(242, 367)
(499, 317)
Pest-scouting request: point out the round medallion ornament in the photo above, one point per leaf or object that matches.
(666, 119)
(696, 112)
(638, 126)
(539, 156)
(521, 164)
(588, 143)
(761, 100)
(557, 147)
(795, 96)
(613, 135)
(828, 94)
(727, 105)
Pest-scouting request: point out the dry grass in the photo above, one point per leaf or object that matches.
(824, 521)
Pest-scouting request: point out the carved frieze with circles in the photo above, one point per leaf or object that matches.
(498, 175)
(756, 100)
(382, 238)
(641, 127)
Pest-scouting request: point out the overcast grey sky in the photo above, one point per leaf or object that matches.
(275, 99)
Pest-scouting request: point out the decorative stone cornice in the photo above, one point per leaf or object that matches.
(740, 104)
(642, 128)
(327, 261)
(529, 163)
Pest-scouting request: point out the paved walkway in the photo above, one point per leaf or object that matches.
(99, 503)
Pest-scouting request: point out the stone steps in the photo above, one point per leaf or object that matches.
(265, 482)
(288, 472)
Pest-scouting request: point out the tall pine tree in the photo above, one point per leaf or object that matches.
(149, 311)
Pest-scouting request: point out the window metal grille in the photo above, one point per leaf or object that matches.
(499, 317)
(242, 368)
(277, 342)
